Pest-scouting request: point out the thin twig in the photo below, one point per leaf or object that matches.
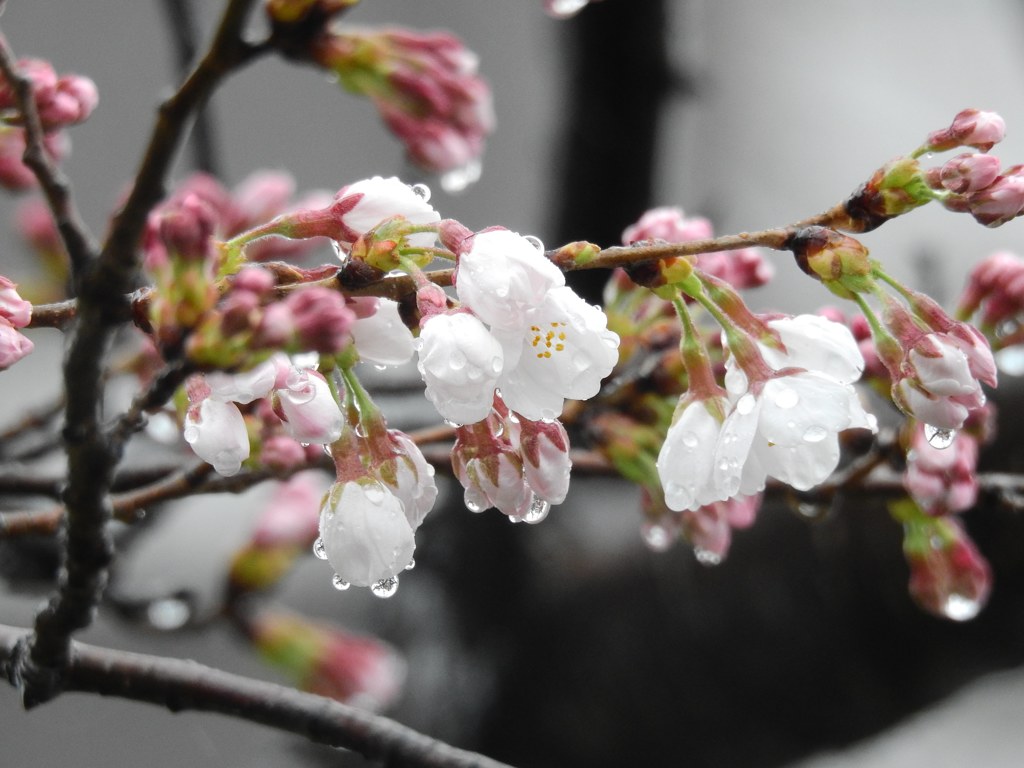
(182, 685)
(202, 140)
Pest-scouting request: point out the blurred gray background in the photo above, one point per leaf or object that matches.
(777, 110)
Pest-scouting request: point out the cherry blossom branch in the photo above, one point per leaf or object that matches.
(103, 286)
(78, 241)
(186, 685)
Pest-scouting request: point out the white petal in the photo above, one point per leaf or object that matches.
(687, 457)
(817, 344)
(216, 431)
(246, 386)
(503, 276)
(382, 338)
(460, 362)
(564, 352)
(384, 198)
(365, 533)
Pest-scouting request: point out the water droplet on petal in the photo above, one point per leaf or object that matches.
(960, 607)
(457, 179)
(566, 8)
(496, 365)
(815, 434)
(385, 588)
(535, 242)
(411, 565)
(745, 404)
(374, 493)
(472, 502)
(339, 583)
(706, 556)
(457, 360)
(379, 367)
(499, 429)
(657, 537)
(539, 509)
(690, 440)
(190, 433)
(417, 344)
(319, 549)
(939, 438)
(422, 191)
(787, 398)
(341, 255)
(168, 613)
(452, 424)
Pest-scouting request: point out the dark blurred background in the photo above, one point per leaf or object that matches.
(568, 643)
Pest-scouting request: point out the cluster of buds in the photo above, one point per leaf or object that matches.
(971, 182)
(15, 313)
(425, 86)
(60, 101)
(936, 364)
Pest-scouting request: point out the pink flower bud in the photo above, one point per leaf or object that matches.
(668, 224)
(1000, 201)
(322, 319)
(969, 172)
(942, 481)
(13, 308)
(996, 286)
(544, 447)
(13, 345)
(186, 227)
(71, 101)
(292, 515)
(970, 128)
(948, 576)
(329, 662)
(282, 452)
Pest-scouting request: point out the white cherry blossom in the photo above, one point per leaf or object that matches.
(564, 350)
(216, 431)
(503, 276)
(308, 407)
(460, 362)
(365, 532)
(367, 203)
(414, 479)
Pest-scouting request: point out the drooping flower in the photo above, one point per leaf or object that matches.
(216, 431)
(365, 532)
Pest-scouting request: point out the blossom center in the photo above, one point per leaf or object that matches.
(548, 341)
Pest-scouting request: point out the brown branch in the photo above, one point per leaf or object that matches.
(103, 286)
(180, 685)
